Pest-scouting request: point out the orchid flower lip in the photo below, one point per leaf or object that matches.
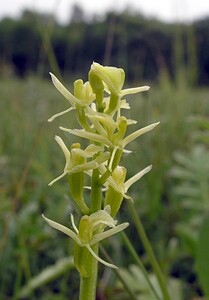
(88, 135)
(100, 259)
(57, 178)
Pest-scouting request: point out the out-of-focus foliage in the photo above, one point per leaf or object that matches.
(191, 189)
(135, 278)
(203, 255)
(29, 161)
(170, 200)
(128, 39)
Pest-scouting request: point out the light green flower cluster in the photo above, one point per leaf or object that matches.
(98, 105)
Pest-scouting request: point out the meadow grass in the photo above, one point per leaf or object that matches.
(29, 160)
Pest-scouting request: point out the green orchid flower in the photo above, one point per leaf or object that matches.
(86, 93)
(83, 92)
(112, 77)
(106, 135)
(76, 159)
(103, 139)
(118, 183)
(105, 124)
(113, 80)
(83, 95)
(91, 230)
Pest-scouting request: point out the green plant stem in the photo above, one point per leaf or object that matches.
(96, 192)
(149, 250)
(139, 263)
(88, 284)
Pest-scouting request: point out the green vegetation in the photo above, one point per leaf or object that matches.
(165, 199)
(172, 200)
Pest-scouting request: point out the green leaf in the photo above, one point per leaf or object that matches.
(47, 275)
(134, 277)
(203, 256)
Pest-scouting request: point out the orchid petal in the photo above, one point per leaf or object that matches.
(124, 104)
(63, 147)
(131, 122)
(134, 90)
(138, 133)
(89, 151)
(60, 114)
(88, 135)
(98, 237)
(112, 77)
(60, 87)
(135, 178)
(63, 229)
(102, 217)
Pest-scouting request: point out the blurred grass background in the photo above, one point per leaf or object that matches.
(173, 200)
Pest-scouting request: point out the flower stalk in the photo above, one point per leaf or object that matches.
(149, 251)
